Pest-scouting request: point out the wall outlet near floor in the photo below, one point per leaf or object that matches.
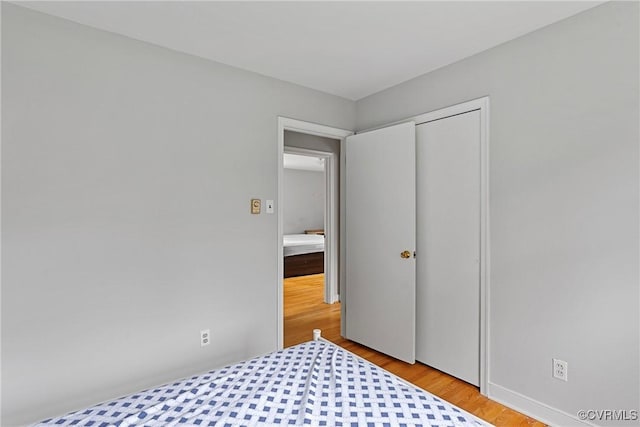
(205, 337)
(560, 368)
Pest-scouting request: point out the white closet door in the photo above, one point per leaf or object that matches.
(448, 245)
(380, 226)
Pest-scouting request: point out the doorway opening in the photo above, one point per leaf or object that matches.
(304, 210)
(311, 275)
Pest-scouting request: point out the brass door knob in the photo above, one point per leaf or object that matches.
(405, 254)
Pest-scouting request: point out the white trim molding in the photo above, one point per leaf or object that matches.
(533, 408)
(332, 274)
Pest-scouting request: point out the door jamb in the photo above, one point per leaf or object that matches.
(331, 245)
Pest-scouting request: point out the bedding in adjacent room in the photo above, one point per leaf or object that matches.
(298, 244)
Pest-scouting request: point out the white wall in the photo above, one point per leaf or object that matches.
(564, 189)
(303, 200)
(127, 171)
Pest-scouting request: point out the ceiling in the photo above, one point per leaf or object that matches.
(349, 49)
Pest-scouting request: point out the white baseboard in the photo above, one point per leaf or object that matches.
(538, 410)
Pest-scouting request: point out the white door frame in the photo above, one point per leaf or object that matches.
(481, 104)
(331, 213)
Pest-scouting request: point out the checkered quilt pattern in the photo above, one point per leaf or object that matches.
(315, 383)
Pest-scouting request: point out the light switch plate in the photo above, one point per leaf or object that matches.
(255, 206)
(269, 208)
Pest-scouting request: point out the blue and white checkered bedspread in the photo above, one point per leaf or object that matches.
(314, 383)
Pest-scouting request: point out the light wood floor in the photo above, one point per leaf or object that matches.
(304, 310)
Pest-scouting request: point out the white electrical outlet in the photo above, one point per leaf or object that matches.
(560, 368)
(205, 337)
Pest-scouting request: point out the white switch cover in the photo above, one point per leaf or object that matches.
(269, 209)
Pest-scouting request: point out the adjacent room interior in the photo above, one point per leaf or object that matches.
(450, 191)
(303, 214)
(303, 244)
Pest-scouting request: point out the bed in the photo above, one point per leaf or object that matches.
(303, 254)
(315, 383)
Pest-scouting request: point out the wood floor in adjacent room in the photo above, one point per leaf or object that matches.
(305, 310)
